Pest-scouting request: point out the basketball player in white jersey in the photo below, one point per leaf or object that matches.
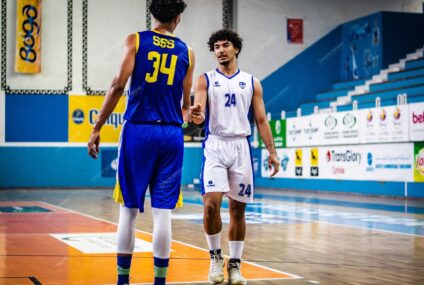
(223, 98)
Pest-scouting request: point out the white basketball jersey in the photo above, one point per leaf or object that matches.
(229, 100)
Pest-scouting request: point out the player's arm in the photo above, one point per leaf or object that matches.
(114, 93)
(197, 111)
(263, 125)
(188, 80)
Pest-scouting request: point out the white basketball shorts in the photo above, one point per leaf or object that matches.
(227, 167)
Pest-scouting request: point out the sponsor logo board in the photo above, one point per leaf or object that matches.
(416, 122)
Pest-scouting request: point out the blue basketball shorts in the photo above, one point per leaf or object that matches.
(149, 156)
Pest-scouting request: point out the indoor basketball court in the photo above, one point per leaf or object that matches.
(343, 89)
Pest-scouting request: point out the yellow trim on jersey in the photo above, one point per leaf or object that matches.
(189, 56)
(117, 193)
(137, 42)
(166, 34)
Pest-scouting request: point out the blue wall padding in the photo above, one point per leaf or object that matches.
(71, 167)
(36, 118)
(30, 167)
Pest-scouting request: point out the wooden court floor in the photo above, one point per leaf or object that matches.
(67, 237)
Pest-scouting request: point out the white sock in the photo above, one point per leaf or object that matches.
(126, 229)
(236, 249)
(214, 241)
(162, 232)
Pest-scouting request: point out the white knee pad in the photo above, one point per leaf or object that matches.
(126, 229)
(162, 232)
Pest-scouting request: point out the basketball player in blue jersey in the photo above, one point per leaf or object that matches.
(223, 99)
(151, 145)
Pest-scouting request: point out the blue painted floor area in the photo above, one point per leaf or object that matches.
(341, 203)
(368, 213)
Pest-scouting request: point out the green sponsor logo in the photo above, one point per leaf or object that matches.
(278, 130)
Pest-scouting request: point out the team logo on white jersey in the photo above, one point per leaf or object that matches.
(216, 84)
(210, 183)
(242, 85)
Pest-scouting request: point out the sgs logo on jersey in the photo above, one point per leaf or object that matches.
(30, 29)
(163, 43)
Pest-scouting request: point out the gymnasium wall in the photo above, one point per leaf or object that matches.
(354, 50)
(262, 24)
(81, 49)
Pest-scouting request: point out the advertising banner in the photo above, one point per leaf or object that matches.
(28, 36)
(385, 124)
(339, 128)
(291, 163)
(304, 131)
(416, 122)
(324, 129)
(294, 163)
(419, 162)
(378, 162)
(374, 162)
(83, 113)
(278, 130)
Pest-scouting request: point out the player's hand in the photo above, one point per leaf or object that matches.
(196, 114)
(273, 163)
(93, 144)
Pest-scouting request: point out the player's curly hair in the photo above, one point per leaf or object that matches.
(166, 10)
(228, 35)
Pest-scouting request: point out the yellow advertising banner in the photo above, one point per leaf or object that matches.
(83, 113)
(28, 36)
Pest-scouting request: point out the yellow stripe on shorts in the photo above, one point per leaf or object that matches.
(117, 193)
(180, 200)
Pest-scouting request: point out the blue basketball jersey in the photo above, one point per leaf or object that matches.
(156, 87)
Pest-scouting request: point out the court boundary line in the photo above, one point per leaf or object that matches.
(291, 276)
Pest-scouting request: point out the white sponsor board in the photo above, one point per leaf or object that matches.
(375, 162)
(303, 131)
(378, 162)
(99, 242)
(324, 129)
(299, 162)
(340, 128)
(416, 122)
(375, 125)
(385, 124)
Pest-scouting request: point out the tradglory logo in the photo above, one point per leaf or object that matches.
(347, 156)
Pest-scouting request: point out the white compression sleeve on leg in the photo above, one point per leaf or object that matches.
(126, 229)
(162, 232)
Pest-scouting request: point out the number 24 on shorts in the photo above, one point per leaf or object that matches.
(245, 190)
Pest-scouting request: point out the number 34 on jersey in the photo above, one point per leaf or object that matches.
(159, 61)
